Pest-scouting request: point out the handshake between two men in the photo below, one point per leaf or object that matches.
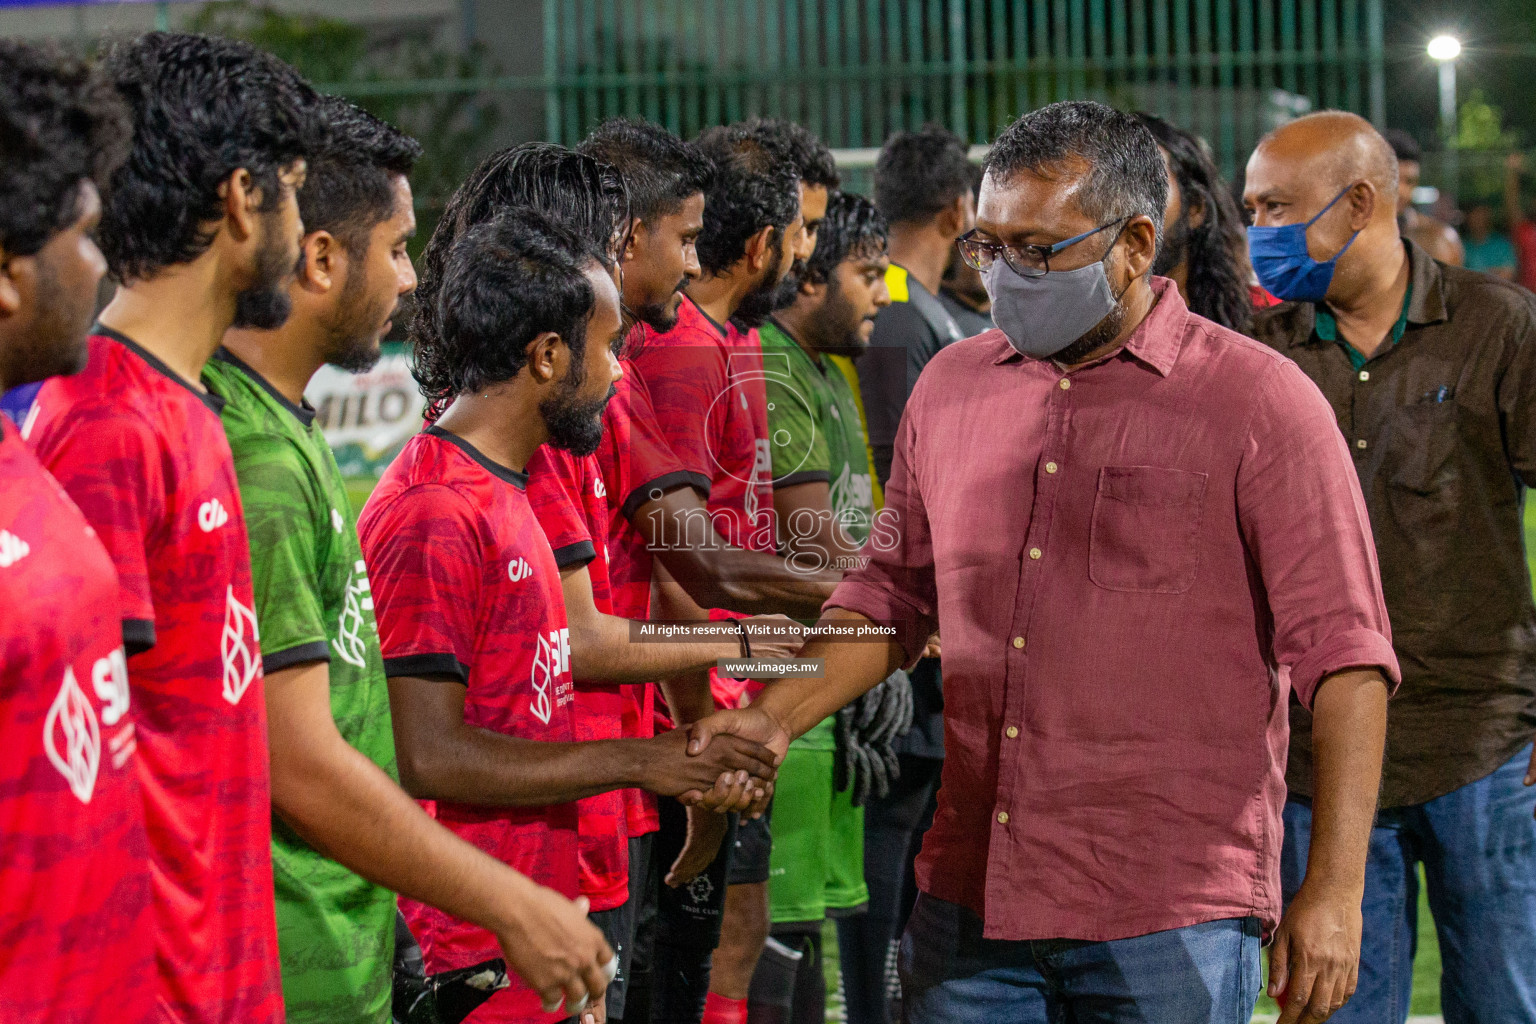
(861, 682)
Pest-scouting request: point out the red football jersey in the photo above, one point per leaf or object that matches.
(144, 456)
(707, 388)
(571, 504)
(465, 585)
(637, 464)
(74, 861)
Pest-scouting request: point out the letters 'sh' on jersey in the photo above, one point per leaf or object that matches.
(74, 861)
(466, 589)
(335, 930)
(144, 456)
(570, 501)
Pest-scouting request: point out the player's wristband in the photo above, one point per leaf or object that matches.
(746, 643)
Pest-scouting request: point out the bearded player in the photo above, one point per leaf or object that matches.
(202, 228)
(346, 836)
(471, 613)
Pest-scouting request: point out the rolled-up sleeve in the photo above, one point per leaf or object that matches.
(895, 584)
(1305, 522)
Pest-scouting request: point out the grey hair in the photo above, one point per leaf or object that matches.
(1126, 174)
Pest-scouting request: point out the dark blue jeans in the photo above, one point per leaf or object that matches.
(1478, 848)
(1203, 974)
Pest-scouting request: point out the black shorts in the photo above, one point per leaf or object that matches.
(749, 857)
(618, 926)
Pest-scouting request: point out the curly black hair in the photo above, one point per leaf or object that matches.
(756, 185)
(1217, 250)
(60, 124)
(853, 228)
(660, 170)
(812, 159)
(918, 174)
(348, 189)
(504, 282)
(585, 197)
(202, 109)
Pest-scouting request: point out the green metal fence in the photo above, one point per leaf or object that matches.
(855, 70)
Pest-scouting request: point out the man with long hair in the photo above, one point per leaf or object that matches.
(1204, 250)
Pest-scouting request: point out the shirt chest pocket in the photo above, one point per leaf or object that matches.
(1146, 524)
(1418, 453)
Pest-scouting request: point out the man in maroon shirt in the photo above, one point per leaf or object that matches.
(1175, 542)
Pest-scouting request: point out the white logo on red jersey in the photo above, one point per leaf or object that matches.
(72, 738)
(598, 489)
(211, 515)
(551, 659)
(12, 549)
(518, 570)
(109, 678)
(762, 472)
(238, 645)
(350, 644)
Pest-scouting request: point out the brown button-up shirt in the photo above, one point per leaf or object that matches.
(1135, 564)
(1442, 430)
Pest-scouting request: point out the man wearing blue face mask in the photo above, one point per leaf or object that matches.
(1431, 372)
(1142, 533)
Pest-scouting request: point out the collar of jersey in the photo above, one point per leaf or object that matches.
(496, 469)
(208, 398)
(305, 414)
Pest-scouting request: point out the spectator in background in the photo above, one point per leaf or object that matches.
(1522, 232)
(1486, 249)
(1431, 234)
(1203, 248)
(965, 296)
(1430, 369)
(925, 188)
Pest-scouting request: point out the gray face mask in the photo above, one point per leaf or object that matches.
(1043, 315)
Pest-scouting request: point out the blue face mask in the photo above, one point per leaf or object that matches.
(1283, 265)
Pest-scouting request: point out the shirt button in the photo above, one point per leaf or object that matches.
(1362, 443)
(1065, 384)
(1035, 552)
(1365, 375)
(1018, 643)
(1012, 732)
(1002, 817)
(1050, 467)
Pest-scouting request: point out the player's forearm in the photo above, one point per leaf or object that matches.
(1349, 725)
(849, 670)
(688, 697)
(477, 766)
(348, 809)
(605, 650)
(751, 582)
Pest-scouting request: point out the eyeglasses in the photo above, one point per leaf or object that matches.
(1024, 260)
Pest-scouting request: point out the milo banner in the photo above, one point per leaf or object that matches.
(367, 417)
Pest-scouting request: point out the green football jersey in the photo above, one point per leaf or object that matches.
(336, 931)
(816, 434)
